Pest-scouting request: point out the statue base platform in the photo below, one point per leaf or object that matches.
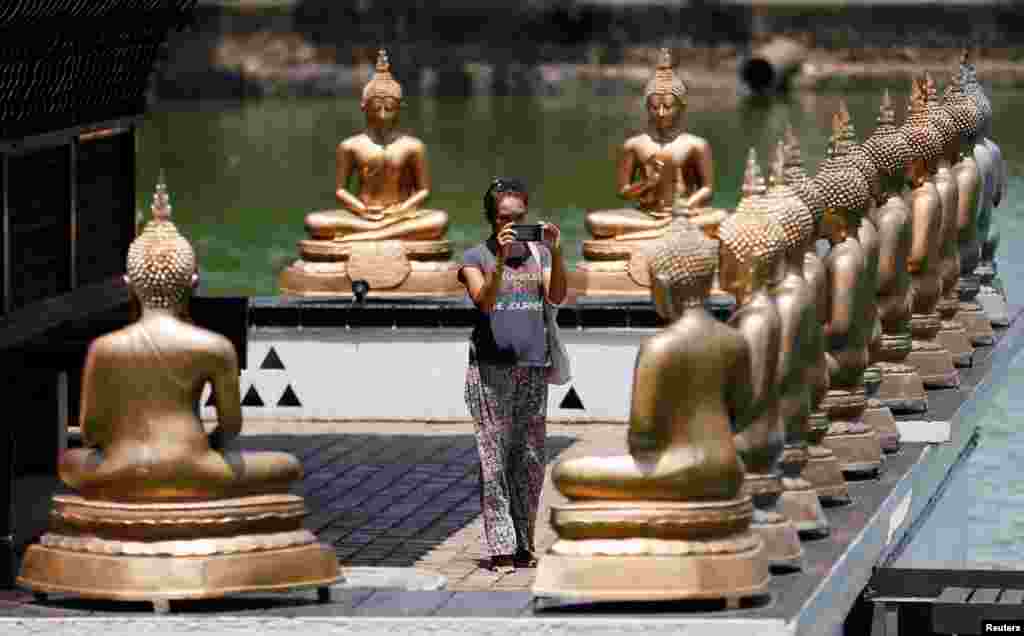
(953, 337)
(977, 324)
(902, 389)
(627, 556)
(781, 541)
(854, 443)
(166, 551)
(614, 268)
(823, 472)
(800, 504)
(879, 417)
(799, 501)
(934, 364)
(390, 268)
(994, 305)
(822, 468)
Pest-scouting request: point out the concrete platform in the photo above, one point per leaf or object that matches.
(407, 496)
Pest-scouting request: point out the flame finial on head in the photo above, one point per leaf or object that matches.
(383, 83)
(754, 188)
(664, 81)
(940, 119)
(924, 139)
(161, 205)
(753, 179)
(795, 172)
(841, 140)
(664, 58)
(777, 176)
(886, 111)
(886, 146)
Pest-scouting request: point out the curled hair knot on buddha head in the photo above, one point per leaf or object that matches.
(161, 262)
(756, 241)
(383, 83)
(683, 262)
(664, 81)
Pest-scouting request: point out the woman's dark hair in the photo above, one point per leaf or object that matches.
(501, 187)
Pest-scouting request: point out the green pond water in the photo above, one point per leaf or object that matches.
(243, 175)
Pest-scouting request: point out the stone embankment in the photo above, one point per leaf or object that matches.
(242, 49)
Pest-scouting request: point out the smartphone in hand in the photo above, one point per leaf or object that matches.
(532, 232)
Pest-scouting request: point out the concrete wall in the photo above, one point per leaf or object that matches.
(396, 374)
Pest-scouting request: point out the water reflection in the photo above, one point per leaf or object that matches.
(243, 175)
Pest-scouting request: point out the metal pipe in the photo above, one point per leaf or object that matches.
(770, 67)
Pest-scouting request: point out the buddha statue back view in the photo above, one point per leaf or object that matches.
(991, 167)
(668, 520)
(164, 509)
(933, 361)
(381, 233)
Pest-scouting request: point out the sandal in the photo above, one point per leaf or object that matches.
(524, 559)
(503, 564)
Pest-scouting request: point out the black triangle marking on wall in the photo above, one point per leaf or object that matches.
(572, 400)
(252, 398)
(272, 361)
(288, 398)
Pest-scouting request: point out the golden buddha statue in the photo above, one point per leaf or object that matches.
(668, 520)
(933, 361)
(850, 295)
(901, 388)
(751, 248)
(667, 172)
(876, 414)
(992, 171)
(381, 234)
(801, 347)
(822, 469)
(952, 335)
(164, 509)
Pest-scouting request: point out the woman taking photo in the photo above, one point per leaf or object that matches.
(506, 382)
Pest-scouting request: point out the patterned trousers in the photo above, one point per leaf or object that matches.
(509, 404)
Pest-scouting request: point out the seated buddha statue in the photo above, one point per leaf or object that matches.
(876, 415)
(850, 294)
(989, 302)
(901, 388)
(381, 230)
(752, 246)
(822, 468)
(151, 484)
(647, 524)
(953, 336)
(666, 172)
(933, 361)
(801, 346)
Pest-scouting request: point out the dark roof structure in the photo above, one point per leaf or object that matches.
(67, 63)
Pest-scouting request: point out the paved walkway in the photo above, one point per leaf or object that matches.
(407, 494)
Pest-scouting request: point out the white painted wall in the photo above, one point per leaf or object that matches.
(395, 374)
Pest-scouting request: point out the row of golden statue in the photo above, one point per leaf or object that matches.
(383, 234)
(738, 430)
